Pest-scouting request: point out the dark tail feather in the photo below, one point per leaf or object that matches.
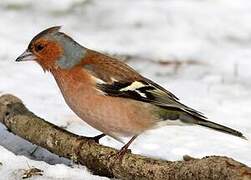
(196, 118)
(219, 127)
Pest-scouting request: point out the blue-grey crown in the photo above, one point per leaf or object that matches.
(73, 52)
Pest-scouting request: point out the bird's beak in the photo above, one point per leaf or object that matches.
(26, 56)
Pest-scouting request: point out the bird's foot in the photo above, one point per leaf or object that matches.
(95, 138)
(119, 155)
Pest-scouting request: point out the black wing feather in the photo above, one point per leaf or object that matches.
(150, 93)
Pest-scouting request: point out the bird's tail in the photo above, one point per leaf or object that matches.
(219, 127)
(190, 116)
(201, 120)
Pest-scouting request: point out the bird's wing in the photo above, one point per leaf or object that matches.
(114, 78)
(146, 91)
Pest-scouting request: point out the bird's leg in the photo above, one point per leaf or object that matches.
(124, 149)
(97, 138)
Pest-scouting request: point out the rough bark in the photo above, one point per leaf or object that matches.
(100, 160)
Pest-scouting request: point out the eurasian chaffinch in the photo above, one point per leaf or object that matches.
(108, 94)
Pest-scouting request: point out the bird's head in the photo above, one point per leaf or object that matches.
(53, 49)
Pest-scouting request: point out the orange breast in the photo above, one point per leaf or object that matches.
(111, 115)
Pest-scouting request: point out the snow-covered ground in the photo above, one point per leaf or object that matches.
(210, 40)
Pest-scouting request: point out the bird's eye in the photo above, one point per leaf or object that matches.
(39, 47)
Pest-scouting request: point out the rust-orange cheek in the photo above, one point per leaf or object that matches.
(49, 56)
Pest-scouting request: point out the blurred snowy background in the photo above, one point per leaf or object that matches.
(198, 49)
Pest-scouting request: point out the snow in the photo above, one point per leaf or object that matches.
(13, 167)
(216, 35)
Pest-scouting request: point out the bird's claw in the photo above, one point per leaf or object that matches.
(119, 155)
(95, 138)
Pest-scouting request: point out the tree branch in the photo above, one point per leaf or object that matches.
(98, 158)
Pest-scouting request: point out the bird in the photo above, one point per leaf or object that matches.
(108, 94)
